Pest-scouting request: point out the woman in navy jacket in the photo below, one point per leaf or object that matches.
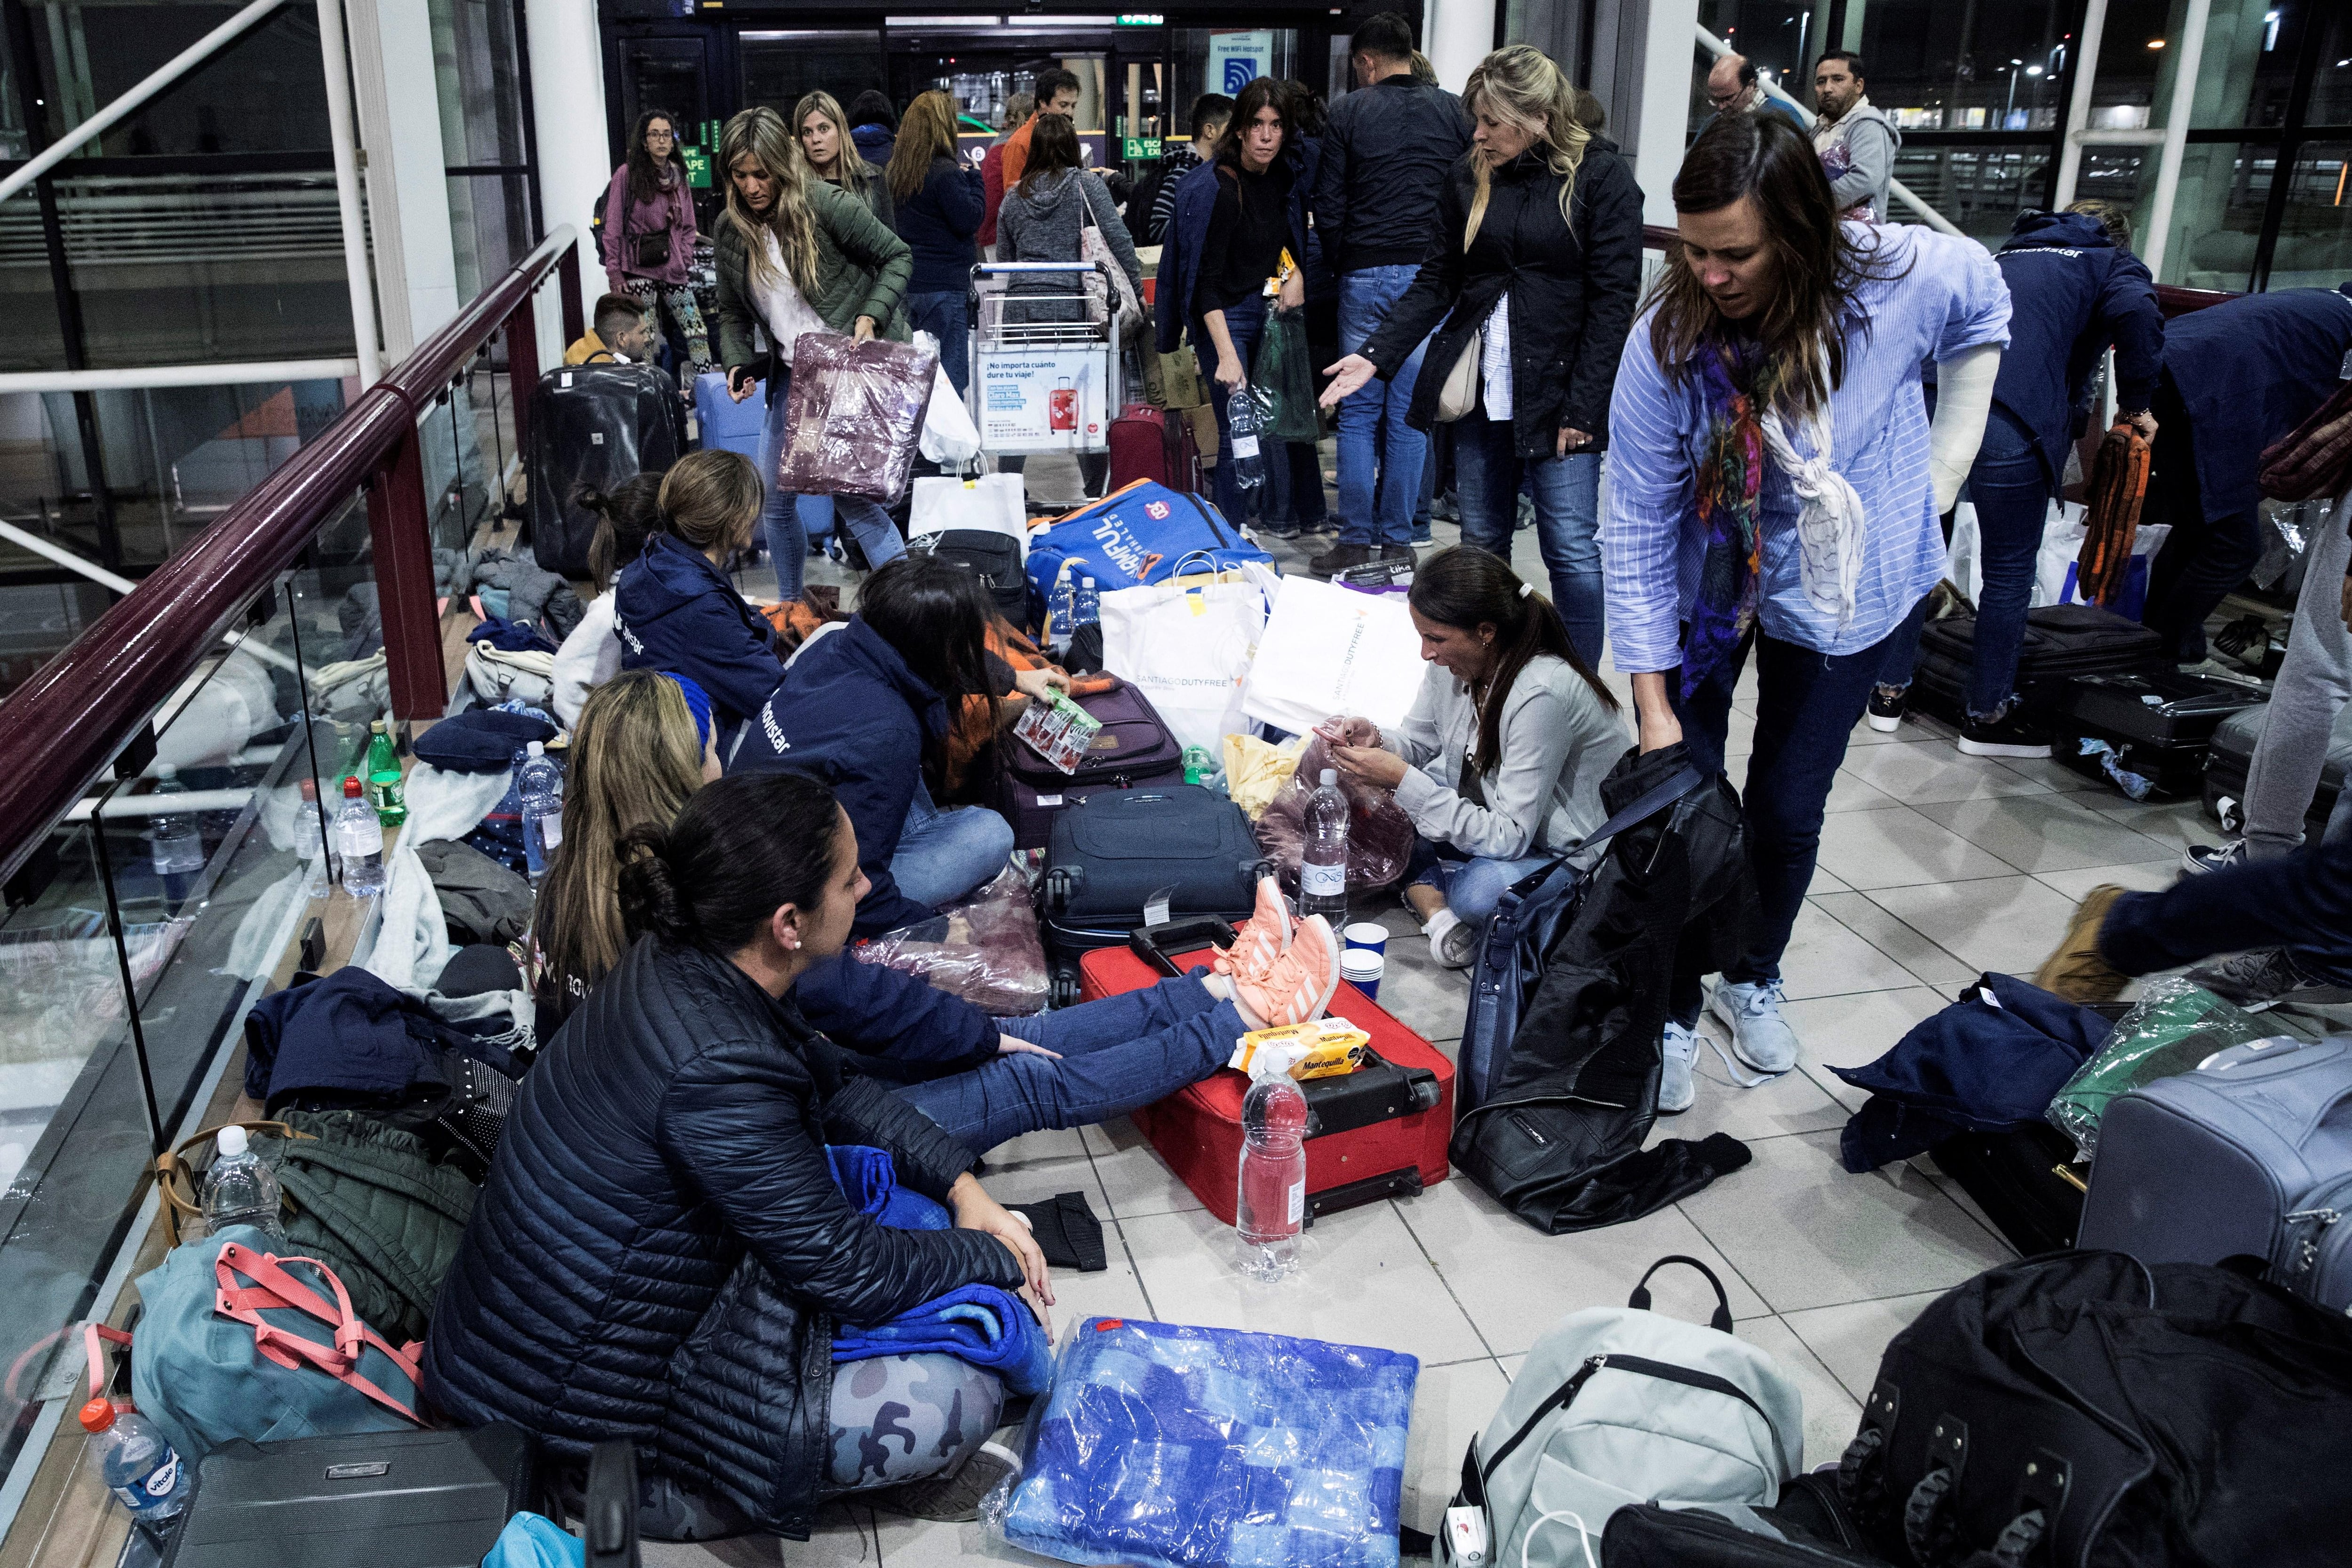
(941, 204)
(674, 610)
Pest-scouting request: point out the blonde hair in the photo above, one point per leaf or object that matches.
(762, 135)
(1521, 86)
(712, 499)
(635, 759)
(848, 164)
(927, 132)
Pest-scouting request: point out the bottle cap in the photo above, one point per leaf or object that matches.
(98, 1416)
(1090, 582)
(377, 727)
(1330, 775)
(166, 771)
(538, 749)
(351, 788)
(231, 1140)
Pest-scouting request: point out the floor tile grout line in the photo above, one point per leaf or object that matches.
(1864, 937)
(1736, 1269)
(1118, 1223)
(1404, 1219)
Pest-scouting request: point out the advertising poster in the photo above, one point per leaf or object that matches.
(1235, 59)
(1041, 400)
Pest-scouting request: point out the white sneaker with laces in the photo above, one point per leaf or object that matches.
(1676, 1088)
(1453, 941)
(1759, 1037)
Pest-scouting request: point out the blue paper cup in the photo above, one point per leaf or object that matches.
(1364, 937)
(1362, 968)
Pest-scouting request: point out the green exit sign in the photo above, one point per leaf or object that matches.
(1140, 19)
(1143, 147)
(698, 167)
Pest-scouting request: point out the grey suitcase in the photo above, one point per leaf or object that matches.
(2248, 1157)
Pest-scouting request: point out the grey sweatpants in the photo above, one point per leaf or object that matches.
(2314, 683)
(901, 1417)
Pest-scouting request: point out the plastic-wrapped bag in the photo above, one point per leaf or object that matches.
(854, 416)
(985, 949)
(1286, 370)
(2175, 1025)
(1379, 834)
(1181, 1448)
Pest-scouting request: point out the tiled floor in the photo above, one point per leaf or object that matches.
(1934, 866)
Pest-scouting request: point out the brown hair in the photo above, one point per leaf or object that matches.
(1816, 264)
(712, 499)
(926, 132)
(1263, 92)
(2110, 217)
(1466, 586)
(760, 135)
(1053, 147)
(626, 515)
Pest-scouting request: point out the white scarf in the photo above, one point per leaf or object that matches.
(1829, 512)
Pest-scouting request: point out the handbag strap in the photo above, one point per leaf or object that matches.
(171, 1168)
(95, 1338)
(274, 1289)
(1651, 802)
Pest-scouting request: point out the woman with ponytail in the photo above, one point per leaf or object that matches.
(626, 515)
(1500, 761)
(1535, 282)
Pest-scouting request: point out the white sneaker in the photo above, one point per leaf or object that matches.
(1759, 1037)
(1453, 942)
(1675, 1089)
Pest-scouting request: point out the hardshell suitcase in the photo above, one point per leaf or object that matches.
(722, 424)
(594, 427)
(1148, 443)
(2231, 758)
(2156, 723)
(373, 1500)
(1134, 751)
(1379, 1132)
(2061, 641)
(2250, 1155)
(1121, 859)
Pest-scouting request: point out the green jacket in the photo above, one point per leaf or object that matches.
(862, 269)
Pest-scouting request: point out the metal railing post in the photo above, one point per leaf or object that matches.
(522, 373)
(401, 541)
(575, 314)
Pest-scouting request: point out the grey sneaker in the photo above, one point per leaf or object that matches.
(955, 1499)
(1675, 1090)
(2263, 975)
(1752, 1013)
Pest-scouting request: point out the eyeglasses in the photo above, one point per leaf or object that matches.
(660, 136)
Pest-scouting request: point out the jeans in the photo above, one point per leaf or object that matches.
(787, 525)
(2312, 685)
(943, 316)
(942, 855)
(1568, 519)
(1381, 457)
(2302, 902)
(2205, 558)
(1117, 1053)
(1244, 322)
(1472, 884)
(1807, 702)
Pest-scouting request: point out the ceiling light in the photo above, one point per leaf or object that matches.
(2156, 43)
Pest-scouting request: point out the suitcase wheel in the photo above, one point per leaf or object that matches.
(1425, 1092)
(1062, 991)
(1057, 889)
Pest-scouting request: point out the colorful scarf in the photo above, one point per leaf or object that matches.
(1729, 481)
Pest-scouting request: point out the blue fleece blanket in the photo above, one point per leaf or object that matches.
(1181, 1448)
(986, 1326)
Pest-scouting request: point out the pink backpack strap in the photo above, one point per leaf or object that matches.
(95, 1338)
(273, 1288)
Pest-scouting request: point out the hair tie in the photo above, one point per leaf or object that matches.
(1526, 589)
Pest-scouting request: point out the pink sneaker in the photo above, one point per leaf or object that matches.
(1298, 985)
(1262, 937)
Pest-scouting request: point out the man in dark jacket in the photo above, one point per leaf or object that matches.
(1386, 156)
(676, 612)
(2237, 377)
(1158, 193)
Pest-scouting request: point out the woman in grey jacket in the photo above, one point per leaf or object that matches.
(1500, 761)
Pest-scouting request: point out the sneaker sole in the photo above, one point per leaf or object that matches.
(2002, 748)
(1666, 1110)
(1886, 726)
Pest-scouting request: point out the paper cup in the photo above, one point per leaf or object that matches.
(1362, 968)
(1364, 937)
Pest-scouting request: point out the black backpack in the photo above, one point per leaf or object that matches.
(993, 557)
(2086, 1409)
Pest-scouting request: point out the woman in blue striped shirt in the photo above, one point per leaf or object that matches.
(1774, 486)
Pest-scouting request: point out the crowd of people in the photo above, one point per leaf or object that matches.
(1788, 418)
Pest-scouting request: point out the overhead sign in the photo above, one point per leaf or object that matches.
(1236, 60)
(1140, 19)
(1143, 147)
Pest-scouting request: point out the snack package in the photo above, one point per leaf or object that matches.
(1379, 834)
(1325, 1048)
(1060, 731)
(2173, 1027)
(854, 416)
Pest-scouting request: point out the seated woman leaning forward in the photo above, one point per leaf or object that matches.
(1500, 761)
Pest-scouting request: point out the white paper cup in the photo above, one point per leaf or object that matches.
(1362, 968)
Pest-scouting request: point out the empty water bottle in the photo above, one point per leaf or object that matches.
(540, 784)
(1088, 609)
(1242, 416)
(241, 1188)
(1323, 859)
(1270, 1203)
(359, 841)
(175, 845)
(142, 1471)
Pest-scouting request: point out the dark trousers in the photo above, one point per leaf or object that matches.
(2301, 902)
(1807, 704)
(2205, 558)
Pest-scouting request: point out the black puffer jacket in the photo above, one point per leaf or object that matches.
(675, 1127)
(1574, 288)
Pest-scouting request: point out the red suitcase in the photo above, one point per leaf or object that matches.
(1148, 443)
(1380, 1132)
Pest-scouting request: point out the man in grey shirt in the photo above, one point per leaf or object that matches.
(1856, 142)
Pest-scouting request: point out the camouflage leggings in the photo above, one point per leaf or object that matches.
(901, 1417)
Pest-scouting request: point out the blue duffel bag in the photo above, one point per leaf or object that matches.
(1132, 537)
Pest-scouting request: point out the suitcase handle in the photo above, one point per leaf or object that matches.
(1159, 945)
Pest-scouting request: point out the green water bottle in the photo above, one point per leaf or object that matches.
(1198, 764)
(383, 778)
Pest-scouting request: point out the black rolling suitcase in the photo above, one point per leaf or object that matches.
(2156, 723)
(2024, 1178)
(1123, 859)
(373, 1500)
(2061, 641)
(593, 426)
(2231, 758)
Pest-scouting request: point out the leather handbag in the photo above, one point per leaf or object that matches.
(1459, 396)
(650, 250)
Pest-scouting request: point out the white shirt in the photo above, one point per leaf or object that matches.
(1495, 359)
(783, 310)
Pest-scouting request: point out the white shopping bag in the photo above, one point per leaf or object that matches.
(2061, 544)
(992, 503)
(1187, 648)
(1329, 650)
(949, 436)
(1961, 567)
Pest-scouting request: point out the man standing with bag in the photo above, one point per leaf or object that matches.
(1387, 153)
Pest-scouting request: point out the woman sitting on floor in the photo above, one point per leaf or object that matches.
(674, 608)
(626, 515)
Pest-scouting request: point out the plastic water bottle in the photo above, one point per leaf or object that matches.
(385, 787)
(241, 1188)
(1270, 1204)
(1323, 860)
(539, 784)
(1062, 610)
(1086, 609)
(359, 840)
(141, 1468)
(1242, 419)
(177, 848)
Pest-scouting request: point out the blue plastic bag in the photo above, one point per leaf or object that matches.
(530, 1541)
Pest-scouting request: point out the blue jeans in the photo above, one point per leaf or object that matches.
(1807, 704)
(1118, 1054)
(789, 521)
(1381, 457)
(1243, 323)
(942, 855)
(943, 316)
(1472, 884)
(1568, 519)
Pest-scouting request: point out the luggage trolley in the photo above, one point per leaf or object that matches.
(1045, 370)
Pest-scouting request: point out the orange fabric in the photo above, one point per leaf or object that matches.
(977, 725)
(2118, 484)
(1016, 152)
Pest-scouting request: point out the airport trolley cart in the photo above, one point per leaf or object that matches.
(1045, 341)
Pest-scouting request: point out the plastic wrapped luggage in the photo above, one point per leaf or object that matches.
(1134, 536)
(1379, 1131)
(2061, 641)
(855, 416)
(1132, 751)
(722, 424)
(2230, 756)
(593, 426)
(2152, 724)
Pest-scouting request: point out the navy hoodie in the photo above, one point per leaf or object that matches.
(2072, 292)
(2249, 370)
(851, 713)
(938, 223)
(675, 612)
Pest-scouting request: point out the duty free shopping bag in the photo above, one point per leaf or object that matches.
(991, 502)
(1187, 646)
(1327, 651)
